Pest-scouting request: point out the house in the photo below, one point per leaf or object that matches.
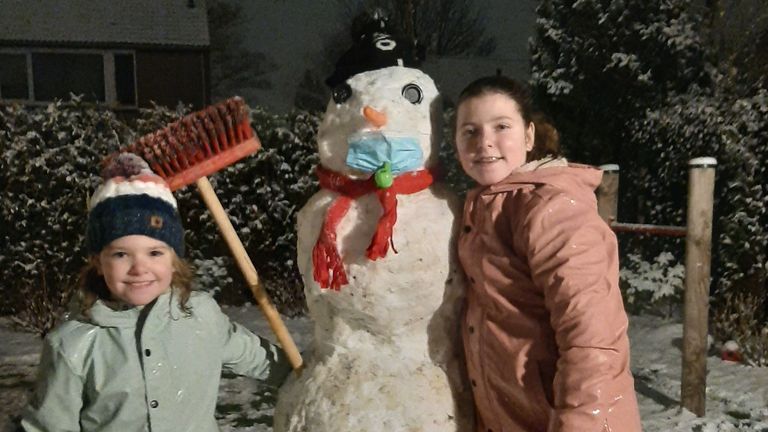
(124, 53)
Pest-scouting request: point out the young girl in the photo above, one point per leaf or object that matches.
(148, 352)
(545, 330)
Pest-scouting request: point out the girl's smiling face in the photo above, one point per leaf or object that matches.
(136, 268)
(492, 138)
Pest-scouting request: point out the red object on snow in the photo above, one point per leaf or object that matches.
(731, 352)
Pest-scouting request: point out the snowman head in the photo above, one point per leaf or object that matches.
(384, 111)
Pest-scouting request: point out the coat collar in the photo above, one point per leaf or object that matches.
(549, 171)
(106, 314)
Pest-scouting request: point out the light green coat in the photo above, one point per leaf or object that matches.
(136, 370)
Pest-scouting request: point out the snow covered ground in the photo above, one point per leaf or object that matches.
(737, 396)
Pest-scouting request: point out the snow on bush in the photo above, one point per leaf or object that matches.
(49, 164)
(655, 286)
(630, 83)
(739, 317)
(596, 65)
(47, 169)
(734, 130)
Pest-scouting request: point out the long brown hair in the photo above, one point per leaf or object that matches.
(93, 286)
(546, 141)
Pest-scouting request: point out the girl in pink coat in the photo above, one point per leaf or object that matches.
(545, 331)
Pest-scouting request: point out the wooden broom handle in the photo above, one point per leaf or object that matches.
(249, 271)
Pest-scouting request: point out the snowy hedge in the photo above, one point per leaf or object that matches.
(46, 172)
(49, 165)
(597, 65)
(654, 287)
(735, 132)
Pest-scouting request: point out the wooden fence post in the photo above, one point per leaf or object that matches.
(608, 193)
(698, 246)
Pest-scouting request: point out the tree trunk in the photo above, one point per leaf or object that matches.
(713, 15)
(408, 16)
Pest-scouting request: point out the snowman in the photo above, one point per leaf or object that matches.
(376, 251)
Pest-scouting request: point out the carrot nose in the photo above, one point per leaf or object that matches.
(375, 118)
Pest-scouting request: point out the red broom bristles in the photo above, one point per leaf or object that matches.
(199, 144)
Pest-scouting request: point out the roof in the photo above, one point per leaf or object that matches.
(125, 22)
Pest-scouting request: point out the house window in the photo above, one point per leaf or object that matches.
(57, 75)
(42, 75)
(13, 76)
(125, 83)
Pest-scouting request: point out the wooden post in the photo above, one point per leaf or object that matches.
(608, 193)
(698, 245)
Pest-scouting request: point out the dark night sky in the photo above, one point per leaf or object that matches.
(291, 33)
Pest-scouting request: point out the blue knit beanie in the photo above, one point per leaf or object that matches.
(132, 201)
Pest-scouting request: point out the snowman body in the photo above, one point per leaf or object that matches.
(386, 348)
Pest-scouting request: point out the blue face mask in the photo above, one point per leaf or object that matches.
(368, 152)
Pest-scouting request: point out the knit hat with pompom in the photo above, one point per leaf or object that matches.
(132, 201)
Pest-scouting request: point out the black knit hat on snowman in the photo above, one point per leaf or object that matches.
(132, 201)
(375, 47)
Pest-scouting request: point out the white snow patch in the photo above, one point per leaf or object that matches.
(737, 395)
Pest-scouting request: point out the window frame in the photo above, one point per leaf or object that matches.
(108, 68)
(28, 67)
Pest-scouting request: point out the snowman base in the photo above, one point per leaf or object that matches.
(372, 391)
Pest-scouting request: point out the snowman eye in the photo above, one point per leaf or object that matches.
(413, 93)
(341, 93)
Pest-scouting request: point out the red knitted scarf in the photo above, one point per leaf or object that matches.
(328, 268)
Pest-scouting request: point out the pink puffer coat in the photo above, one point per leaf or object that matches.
(545, 330)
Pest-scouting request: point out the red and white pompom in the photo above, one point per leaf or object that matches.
(731, 351)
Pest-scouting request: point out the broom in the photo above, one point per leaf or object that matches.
(198, 145)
